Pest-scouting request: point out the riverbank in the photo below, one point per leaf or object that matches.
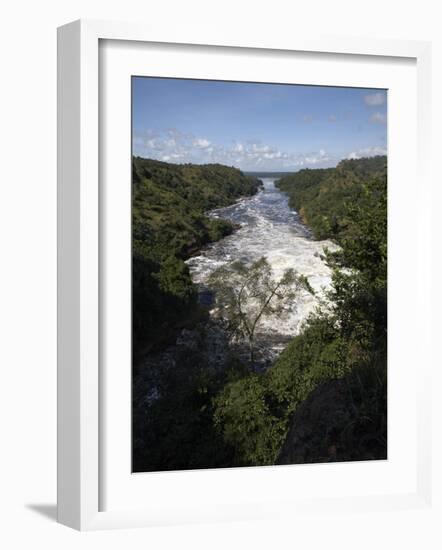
(169, 224)
(203, 404)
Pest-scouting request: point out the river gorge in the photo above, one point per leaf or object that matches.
(268, 227)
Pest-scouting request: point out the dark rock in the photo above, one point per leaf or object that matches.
(337, 423)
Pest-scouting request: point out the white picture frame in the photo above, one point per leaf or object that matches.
(79, 367)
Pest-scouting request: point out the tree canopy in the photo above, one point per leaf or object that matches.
(325, 396)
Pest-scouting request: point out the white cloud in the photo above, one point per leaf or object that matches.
(257, 148)
(274, 155)
(153, 143)
(313, 158)
(175, 146)
(379, 118)
(376, 99)
(201, 143)
(367, 152)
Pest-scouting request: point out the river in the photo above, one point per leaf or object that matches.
(269, 228)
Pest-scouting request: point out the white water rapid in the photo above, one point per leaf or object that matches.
(269, 228)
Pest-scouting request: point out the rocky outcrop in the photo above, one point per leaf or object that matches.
(341, 420)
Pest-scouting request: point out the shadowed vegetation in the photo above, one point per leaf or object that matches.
(169, 224)
(324, 398)
(340, 358)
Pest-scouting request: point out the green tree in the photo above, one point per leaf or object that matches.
(334, 374)
(169, 224)
(246, 294)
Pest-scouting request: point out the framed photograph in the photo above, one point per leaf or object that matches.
(243, 257)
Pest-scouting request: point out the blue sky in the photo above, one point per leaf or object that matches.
(256, 126)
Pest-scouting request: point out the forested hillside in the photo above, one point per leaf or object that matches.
(169, 202)
(322, 196)
(325, 397)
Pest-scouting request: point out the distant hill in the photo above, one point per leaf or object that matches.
(268, 174)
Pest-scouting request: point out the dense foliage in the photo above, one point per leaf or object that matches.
(325, 396)
(169, 223)
(322, 196)
(347, 341)
(176, 430)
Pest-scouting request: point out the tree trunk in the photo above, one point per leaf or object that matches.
(252, 351)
